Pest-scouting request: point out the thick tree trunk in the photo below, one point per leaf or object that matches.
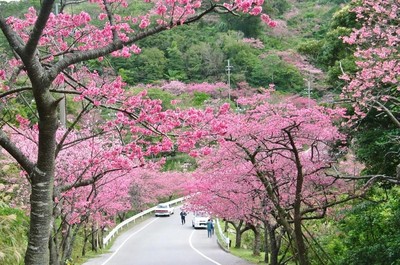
(267, 247)
(301, 254)
(274, 248)
(300, 244)
(95, 241)
(85, 240)
(42, 181)
(257, 240)
(238, 232)
(238, 239)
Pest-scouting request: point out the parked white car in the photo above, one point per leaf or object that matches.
(164, 209)
(200, 220)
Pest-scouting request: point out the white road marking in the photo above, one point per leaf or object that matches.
(127, 240)
(201, 254)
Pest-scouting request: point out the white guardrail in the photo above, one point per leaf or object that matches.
(116, 229)
(225, 240)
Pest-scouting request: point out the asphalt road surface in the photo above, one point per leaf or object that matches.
(165, 241)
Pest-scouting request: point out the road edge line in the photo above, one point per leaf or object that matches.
(198, 251)
(116, 251)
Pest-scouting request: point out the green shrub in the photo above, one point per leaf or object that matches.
(13, 231)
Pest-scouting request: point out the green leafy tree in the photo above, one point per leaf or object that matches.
(330, 53)
(250, 27)
(376, 145)
(152, 65)
(204, 62)
(370, 232)
(147, 67)
(175, 63)
(272, 70)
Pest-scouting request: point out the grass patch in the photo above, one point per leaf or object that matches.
(244, 253)
(247, 254)
(13, 230)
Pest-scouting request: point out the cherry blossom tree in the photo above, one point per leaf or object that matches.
(229, 191)
(97, 165)
(93, 179)
(374, 88)
(48, 53)
(376, 83)
(277, 158)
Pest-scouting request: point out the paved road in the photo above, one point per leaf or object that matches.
(164, 241)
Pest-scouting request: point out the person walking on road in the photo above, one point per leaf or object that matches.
(210, 228)
(183, 217)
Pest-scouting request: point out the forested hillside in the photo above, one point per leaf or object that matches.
(258, 55)
(290, 123)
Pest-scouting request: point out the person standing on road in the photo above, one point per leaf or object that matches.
(183, 217)
(210, 228)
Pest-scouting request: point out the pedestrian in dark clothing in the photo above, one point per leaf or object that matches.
(183, 217)
(210, 228)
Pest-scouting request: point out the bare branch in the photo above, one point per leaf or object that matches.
(14, 91)
(14, 151)
(389, 113)
(69, 130)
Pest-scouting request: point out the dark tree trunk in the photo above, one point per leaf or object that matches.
(42, 181)
(95, 241)
(54, 255)
(85, 240)
(238, 233)
(69, 244)
(66, 239)
(301, 250)
(121, 217)
(101, 231)
(267, 247)
(257, 240)
(93, 238)
(300, 244)
(274, 248)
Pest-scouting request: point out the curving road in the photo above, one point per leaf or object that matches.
(164, 241)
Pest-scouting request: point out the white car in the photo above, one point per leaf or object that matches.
(164, 209)
(200, 220)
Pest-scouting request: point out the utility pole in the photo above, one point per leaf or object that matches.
(62, 105)
(308, 90)
(228, 70)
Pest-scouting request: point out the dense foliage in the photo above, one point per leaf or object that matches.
(367, 233)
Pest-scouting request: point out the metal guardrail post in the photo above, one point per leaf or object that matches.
(224, 238)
